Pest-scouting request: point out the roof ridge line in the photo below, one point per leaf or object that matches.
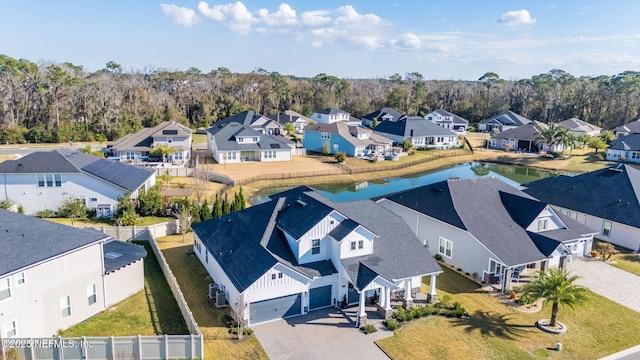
(69, 161)
(271, 224)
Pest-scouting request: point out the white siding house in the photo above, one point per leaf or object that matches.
(44, 180)
(59, 275)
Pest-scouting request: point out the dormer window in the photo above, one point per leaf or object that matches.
(315, 246)
(542, 224)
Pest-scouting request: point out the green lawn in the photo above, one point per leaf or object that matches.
(627, 262)
(199, 138)
(143, 221)
(496, 331)
(152, 311)
(194, 282)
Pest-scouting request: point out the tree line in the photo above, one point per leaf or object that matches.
(59, 102)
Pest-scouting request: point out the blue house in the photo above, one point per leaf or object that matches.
(355, 141)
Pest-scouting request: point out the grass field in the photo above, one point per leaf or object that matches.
(194, 281)
(143, 221)
(152, 311)
(495, 330)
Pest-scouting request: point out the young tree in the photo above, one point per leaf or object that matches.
(290, 129)
(551, 136)
(227, 207)
(217, 207)
(205, 212)
(606, 250)
(150, 202)
(73, 209)
(238, 315)
(558, 288)
(100, 138)
(238, 201)
(126, 214)
(184, 219)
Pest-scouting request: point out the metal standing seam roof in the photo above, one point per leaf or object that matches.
(64, 161)
(27, 240)
(612, 193)
(118, 254)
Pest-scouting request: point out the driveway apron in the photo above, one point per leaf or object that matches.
(321, 334)
(615, 284)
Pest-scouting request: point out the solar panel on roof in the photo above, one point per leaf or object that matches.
(275, 146)
(123, 175)
(169, 132)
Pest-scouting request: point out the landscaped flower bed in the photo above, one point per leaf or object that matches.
(443, 308)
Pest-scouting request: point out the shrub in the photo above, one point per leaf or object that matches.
(340, 156)
(437, 257)
(594, 253)
(401, 314)
(411, 313)
(598, 157)
(245, 331)
(445, 301)
(622, 158)
(5, 204)
(45, 213)
(368, 329)
(391, 324)
(525, 300)
(21, 209)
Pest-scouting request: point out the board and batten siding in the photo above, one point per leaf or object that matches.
(467, 252)
(553, 222)
(359, 234)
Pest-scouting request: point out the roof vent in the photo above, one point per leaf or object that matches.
(301, 203)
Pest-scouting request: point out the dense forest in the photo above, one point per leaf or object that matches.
(49, 102)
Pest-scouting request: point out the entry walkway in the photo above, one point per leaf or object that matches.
(321, 334)
(615, 284)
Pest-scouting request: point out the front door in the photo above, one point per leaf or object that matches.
(352, 295)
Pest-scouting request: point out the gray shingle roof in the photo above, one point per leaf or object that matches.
(419, 126)
(343, 129)
(385, 111)
(225, 135)
(118, 254)
(331, 111)
(508, 117)
(611, 193)
(578, 126)
(630, 142)
(27, 240)
(456, 119)
(345, 228)
(143, 139)
(289, 116)
(527, 132)
(65, 161)
(632, 127)
(486, 208)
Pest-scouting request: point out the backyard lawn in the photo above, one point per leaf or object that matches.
(152, 311)
(194, 281)
(143, 221)
(495, 330)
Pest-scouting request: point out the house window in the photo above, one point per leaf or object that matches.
(240, 140)
(10, 329)
(315, 246)
(353, 245)
(58, 180)
(446, 247)
(21, 278)
(92, 294)
(495, 267)
(206, 256)
(49, 180)
(280, 275)
(255, 139)
(361, 244)
(40, 180)
(129, 155)
(273, 276)
(269, 154)
(542, 224)
(230, 156)
(5, 289)
(325, 135)
(93, 199)
(65, 306)
(606, 228)
(178, 155)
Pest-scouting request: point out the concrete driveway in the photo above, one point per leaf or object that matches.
(618, 285)
(321, 334)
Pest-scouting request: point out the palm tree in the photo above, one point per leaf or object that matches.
(557, 287)
(164, 150)
(551, 135)
(569, 140)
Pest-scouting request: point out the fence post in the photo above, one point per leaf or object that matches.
(139, 346)
(113, 347)
(166, 346)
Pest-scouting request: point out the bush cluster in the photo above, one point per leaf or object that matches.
(368, 329)
(443, 308)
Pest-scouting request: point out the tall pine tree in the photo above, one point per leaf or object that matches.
(217, 207)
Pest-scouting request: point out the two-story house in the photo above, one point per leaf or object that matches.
(254, 121)
(300, 252)
(355, 141)
(234, 142)
(503, 121)
(53, 276)
(628, 128)
(489, 228)
(298, 120)
(422, 133)
(134, 148)
(448, 120)
(332, 115)
(44, 180)
(383, 114)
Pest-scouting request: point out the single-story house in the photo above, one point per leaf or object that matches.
(331, 115)
(234, 142)
(421, 132)
(135, 148)
(355, 141)
(448, 120)
(299, 121)
(44, 180)
(523, 138)
(579, 127)
(606, 200)
(53, 276)
(624, 148)
(503, 121)
(254, 121)
(300, 252)
(489, 228)
(626, 129)
(383, 114)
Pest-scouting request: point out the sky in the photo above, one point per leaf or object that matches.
(442, 40)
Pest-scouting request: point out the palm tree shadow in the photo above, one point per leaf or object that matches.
(493, 325)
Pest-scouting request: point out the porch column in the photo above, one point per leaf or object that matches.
(362, 313)
(387, 296)
(563, 259)
(432, 296)
(507, 280)
(408, 299)
(543, 265)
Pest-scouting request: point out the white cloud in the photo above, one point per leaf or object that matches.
(236, 17)
(408, 41)
(515, 18)
(285, 16)
(316, 18)
(180, 15)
